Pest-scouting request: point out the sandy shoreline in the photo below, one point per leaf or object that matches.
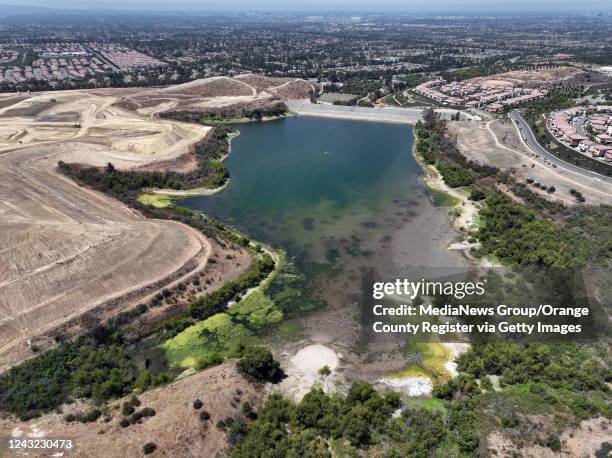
(468, 210)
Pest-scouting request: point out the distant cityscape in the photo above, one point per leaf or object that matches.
(115, 49)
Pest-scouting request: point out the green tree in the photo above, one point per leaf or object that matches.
(258, 364)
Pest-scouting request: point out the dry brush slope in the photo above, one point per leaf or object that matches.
(176, 428)
(65, 249)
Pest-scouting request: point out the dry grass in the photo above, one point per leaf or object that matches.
(528, 78)
(176, 428)
(497, 143)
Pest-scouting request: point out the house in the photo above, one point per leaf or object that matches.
(604, 139)
(600, 150)
(584, 145)
(574, 139)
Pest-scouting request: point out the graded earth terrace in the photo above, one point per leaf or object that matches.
(68, 249)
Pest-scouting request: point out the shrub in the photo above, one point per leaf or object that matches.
(124, 423)
(89, 416)
(142, 413)
(509, 422)
(257, 363)
(325, 371)
(149, 448)
(127, 409)
(210, 359)
(197, 404)
(477, 194)
(553, 442)
(486, 384)
(205, 416)
(248, 411)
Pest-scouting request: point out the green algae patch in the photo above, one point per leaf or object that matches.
(257, 311)
(214, 334)
(431, 359)
(156, 200)
(441, 198)
(222, 333)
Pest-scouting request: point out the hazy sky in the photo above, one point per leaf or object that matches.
(329, 5)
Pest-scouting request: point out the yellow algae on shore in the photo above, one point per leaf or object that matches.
(155, 200)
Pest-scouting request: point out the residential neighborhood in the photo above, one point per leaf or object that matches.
(470, 95)
(586, 128)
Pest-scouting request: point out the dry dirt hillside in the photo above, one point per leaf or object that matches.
(217, 91)
(65, 249)
(176, 428)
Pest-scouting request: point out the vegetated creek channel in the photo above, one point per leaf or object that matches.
(337, 193)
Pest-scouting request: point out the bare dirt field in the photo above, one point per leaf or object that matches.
(528, 78)
(497, 143)
(584, 440)
(216, 92)
(176, 429)
(66, 249)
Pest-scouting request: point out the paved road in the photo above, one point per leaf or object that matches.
(386, 114)
(530, 140)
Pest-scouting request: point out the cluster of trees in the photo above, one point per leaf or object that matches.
(571, 379)
(258, 364)
(229, 113)
(358, 86)
(96, 367)
(322, 424)
(285, 429)
(563, 377)
(518, 235)
(437, 150)
(215, 302)
(211, 172)
(568, 381)
(569, 365)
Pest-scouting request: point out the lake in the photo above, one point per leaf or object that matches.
(337, 193)
(299, 181)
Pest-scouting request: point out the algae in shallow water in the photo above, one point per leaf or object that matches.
(432, 358)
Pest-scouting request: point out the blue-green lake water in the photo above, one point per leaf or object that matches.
(297, 182)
